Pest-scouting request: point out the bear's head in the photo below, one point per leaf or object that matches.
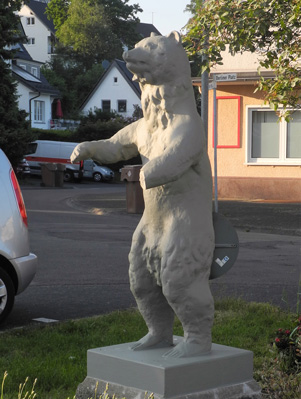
(158, 60)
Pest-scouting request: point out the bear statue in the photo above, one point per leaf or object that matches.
(173, 244)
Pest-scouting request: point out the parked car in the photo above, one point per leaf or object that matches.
(97, 172)
(22, 169)
(17, 264)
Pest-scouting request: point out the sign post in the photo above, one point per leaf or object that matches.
(223, 77)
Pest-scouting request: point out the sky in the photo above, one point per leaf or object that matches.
(165, 15)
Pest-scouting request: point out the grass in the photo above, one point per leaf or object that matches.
(56, 354)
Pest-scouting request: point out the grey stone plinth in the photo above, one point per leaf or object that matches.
(225, 373)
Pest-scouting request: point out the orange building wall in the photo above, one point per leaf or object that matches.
(236, 179)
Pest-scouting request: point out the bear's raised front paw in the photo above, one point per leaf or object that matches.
(81, 151)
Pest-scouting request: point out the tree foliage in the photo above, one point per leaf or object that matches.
(57, 12)
(89, 32)
(9, 23)
(14, 128)
(95, 29)
(271, 28)
(73, 78)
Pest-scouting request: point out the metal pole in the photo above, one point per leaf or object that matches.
(204, 103)
(215, 146)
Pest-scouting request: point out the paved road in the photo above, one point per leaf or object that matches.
(83, 267)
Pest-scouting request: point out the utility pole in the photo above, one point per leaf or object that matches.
(204, 101)
(205, 90)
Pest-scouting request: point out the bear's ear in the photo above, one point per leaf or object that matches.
(175, 35)
(153, 34)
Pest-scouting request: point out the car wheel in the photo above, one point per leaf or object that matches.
(7, 295)
(97, 177)
(68, 176)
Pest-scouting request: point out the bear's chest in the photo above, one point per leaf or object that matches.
(152, 144)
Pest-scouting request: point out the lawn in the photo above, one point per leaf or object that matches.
(55, 354)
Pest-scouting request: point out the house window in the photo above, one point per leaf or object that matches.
(115, 79)
(23, 66)
(31, 41)
(50, 43)
(30, 21)
(34, 71)
(270, 141)
(106, 105)
(39, 111)
(121, 105)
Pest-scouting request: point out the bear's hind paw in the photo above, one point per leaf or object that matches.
(150, 341)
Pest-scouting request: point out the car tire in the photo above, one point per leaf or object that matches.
(7, 295)
(68, 176)
(97, 177)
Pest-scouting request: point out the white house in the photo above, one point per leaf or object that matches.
(115, 91)
(39, 30)
(35, 95)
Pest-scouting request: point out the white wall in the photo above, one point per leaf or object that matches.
(38, 51)
(108, 90)
(245, 62)
(24, 96)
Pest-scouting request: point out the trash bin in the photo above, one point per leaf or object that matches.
(134, 193)
(52, 174)
(48, 174)
(59, 175)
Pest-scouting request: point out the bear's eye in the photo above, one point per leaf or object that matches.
(150, 46)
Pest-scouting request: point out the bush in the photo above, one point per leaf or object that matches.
(98, 130)
(287, 345)
(54, 135)
(99, 125)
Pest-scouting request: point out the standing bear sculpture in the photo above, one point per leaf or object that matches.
(173, 244)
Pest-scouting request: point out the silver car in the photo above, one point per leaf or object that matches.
(17, 265)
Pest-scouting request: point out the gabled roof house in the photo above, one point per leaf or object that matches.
(35, 94)
(115, 91)
(39, 30)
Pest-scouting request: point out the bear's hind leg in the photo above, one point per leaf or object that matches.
(154, 308)
(192, 302)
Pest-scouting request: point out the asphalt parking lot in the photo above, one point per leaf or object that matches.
(82, 234)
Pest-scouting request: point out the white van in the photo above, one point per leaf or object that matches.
(45, 151)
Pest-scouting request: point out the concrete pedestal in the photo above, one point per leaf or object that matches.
(225, 373)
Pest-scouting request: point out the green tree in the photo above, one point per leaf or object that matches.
(272, 28)
(74, 80)
(89, 32)
(95, 29)
(14, 128)
(57, 11)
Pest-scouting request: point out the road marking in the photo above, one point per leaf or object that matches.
(47, 211)
(45, 320)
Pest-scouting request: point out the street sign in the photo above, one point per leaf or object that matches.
(225, 77)
(221, 77)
